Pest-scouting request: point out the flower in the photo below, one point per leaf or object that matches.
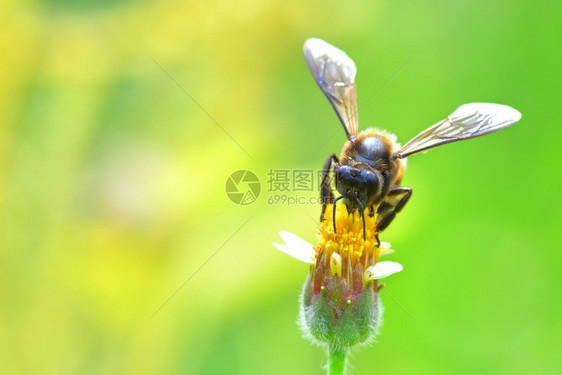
(340, 303)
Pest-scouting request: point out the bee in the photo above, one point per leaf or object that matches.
(369, 170)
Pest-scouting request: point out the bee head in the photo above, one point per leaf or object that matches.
(359, 185)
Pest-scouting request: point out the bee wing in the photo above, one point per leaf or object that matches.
(468, 121)
(335, 73)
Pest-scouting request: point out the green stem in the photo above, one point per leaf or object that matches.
(337, 360)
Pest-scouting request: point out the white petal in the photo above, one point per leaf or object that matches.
(296, 247)
(385, 248)
(382, 270)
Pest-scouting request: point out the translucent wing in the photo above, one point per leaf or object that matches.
(468, 121)
(335, 73)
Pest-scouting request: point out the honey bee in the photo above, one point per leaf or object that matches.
(371, 164)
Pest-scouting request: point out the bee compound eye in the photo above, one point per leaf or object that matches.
(372, 183)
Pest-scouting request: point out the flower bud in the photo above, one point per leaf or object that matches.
(340, 303)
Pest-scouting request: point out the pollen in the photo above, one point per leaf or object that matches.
(346, 253)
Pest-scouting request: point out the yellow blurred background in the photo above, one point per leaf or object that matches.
(112, 184)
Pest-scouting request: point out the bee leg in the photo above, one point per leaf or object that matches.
(363, 217)
(395, 200)
(325, 189)
(334, 213)
(371, 211)
(362, 208)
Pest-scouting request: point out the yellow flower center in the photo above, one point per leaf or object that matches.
(346, 253)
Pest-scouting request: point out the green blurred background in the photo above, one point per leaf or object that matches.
(112, 184)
